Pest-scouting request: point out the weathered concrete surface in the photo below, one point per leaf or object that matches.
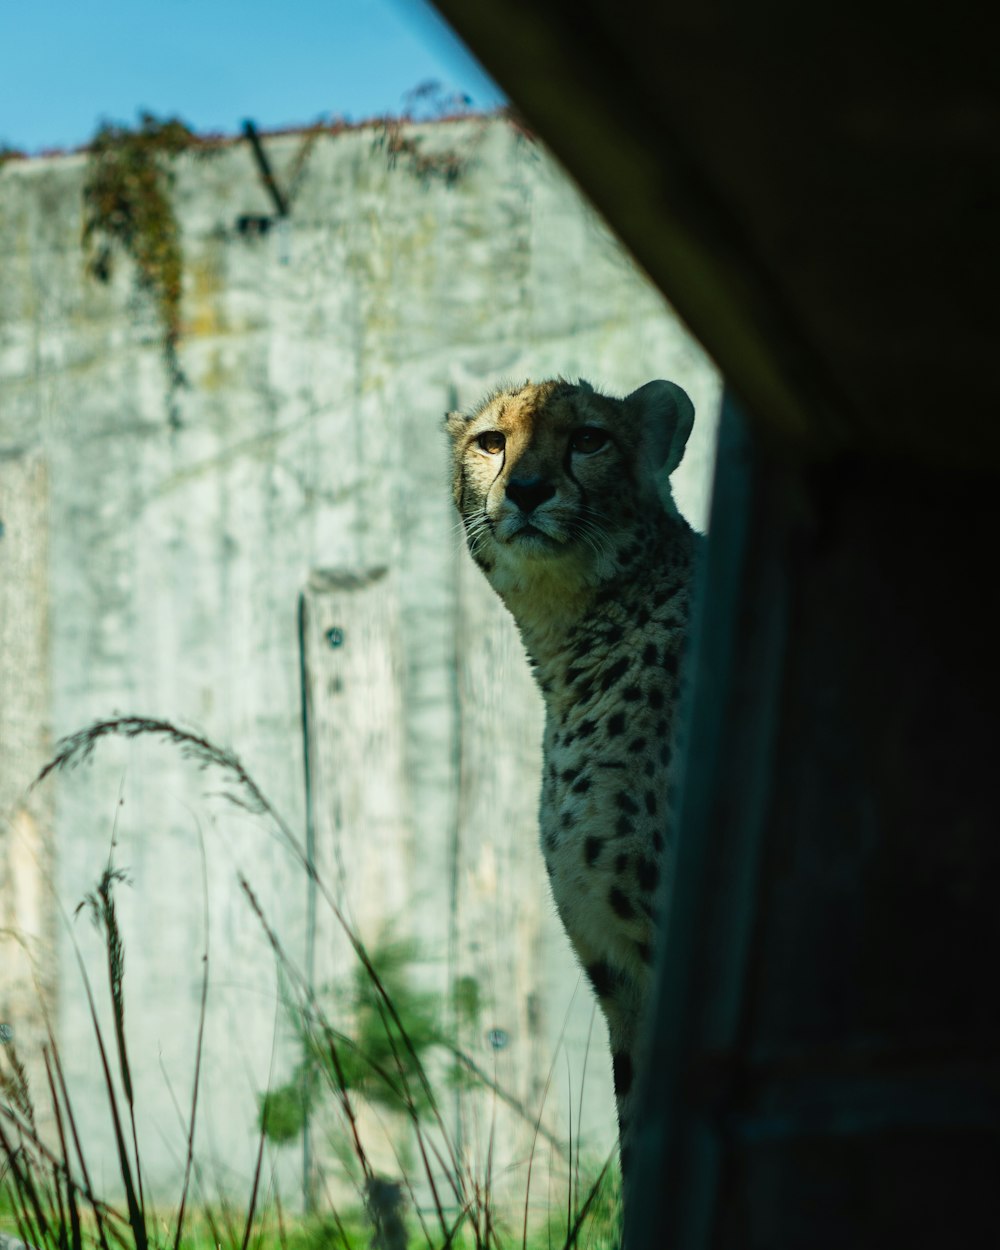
(319, 358)
(27, 914)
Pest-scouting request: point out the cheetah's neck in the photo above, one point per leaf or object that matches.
(550, 613)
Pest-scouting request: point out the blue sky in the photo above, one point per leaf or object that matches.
(68, 64)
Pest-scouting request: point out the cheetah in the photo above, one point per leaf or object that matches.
(566, 506)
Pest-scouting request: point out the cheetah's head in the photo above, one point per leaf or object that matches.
(556, 483)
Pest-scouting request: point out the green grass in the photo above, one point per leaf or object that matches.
(47, 1197)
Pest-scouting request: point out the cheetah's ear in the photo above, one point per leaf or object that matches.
(666, 414)
(455, 423)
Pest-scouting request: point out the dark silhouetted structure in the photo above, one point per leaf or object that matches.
(816, 188)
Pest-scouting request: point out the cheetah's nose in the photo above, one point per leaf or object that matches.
(529, 492)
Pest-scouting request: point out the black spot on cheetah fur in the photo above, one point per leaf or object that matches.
(627, 803)
(616, 724)
(648, 874)
(649, 654)
(602, 978)
(631, 693)
(637, 745)
(655, 698)
(582, 786)
(619, 904)
(651, 802)
(591, 850)
(621, 1063)
(624, 828)
(586, 728)
(617, 670)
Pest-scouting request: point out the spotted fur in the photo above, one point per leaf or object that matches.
(564, 496)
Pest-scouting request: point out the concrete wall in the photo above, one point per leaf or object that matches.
(174, 536)
(27, 936)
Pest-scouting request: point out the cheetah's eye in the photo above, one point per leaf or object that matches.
(587, 439)
(492, 442)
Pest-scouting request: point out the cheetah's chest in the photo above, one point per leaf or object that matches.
(605, 789)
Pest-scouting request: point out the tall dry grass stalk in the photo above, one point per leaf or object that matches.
(47, 1186)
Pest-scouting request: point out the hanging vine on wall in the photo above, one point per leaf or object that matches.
(447, 165)
(127, 205)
